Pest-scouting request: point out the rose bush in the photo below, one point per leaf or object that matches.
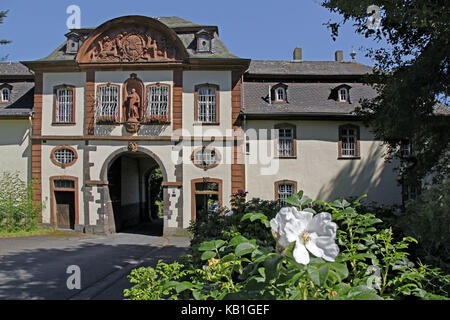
(310, 250)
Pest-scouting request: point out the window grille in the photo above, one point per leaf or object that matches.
(206, 157)
(64, 184)
(284, 192)
(349, 142)
(285, 142)
(207, 111)
(158, 102)
(64, 105)
(5, 94)
(108, 104)
(64, 156)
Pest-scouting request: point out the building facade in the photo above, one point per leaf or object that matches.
(90, 123)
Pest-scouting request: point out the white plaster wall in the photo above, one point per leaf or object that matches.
(317, 170)
(147, 77)
(15, 148)
(77, 79)
(191, 172)
(193, 78)
(50, 170)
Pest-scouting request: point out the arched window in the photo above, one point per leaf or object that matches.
(284, 189)
(6, 95)
(158, 103)
(280, 94)
(207, 105)
(64, 105)
(107, 107)
(343, 95)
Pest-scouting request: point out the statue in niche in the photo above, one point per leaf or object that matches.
(134, 106)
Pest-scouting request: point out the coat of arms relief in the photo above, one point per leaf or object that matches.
(132, 45)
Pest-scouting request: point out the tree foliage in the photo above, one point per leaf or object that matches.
(3, 15)
(411, 79)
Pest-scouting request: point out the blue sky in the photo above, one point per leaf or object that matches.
(250, 29)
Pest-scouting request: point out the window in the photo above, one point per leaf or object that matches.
(285, 141)
(410, 192)
(203, 41)
(284, 189)
(405, 149)
(206, 197)
(349, 142)
(280, 94)
(343, 95)
(64, 184)
(64, 105)
(206, 157)
(158, 103)
(6, 95)
(107, 110)
(63, 156)
(207, 104)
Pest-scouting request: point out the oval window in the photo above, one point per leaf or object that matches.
(206, 158)
(64, 156)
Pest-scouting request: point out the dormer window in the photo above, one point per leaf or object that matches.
(341, 93)
(204, 41)
(6, 95)
(74, 42)
(278, 93)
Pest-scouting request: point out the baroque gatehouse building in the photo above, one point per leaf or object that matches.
(91, 122)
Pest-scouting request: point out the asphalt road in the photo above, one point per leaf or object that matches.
(35, 267)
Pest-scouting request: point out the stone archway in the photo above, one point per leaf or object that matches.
(114, 214)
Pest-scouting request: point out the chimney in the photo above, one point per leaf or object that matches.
(339, 56)
(298, 54)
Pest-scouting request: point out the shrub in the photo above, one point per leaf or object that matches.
(428, 220)
(237, 256)
(17, 210)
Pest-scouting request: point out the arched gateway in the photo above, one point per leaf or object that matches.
(128, 203)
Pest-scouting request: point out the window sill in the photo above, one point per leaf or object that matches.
(281, 158)
(65, 124)
(206, 123)
(349, 158)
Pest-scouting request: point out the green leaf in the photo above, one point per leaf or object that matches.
(244, 248)
(208, 255)
(318, 274)
(182, 286)
(237, 240)
(272, 266)
(211, 245)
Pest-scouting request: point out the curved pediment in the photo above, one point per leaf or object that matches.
(132, 39)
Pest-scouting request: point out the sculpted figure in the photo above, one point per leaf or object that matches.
(134, 105)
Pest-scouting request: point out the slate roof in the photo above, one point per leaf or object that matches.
(22, 94)
(304, 98)
(307, 68)
(185, 30)
(13, 69)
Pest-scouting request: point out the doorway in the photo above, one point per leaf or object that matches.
(206, 197)
(131, 190)
(64, 200)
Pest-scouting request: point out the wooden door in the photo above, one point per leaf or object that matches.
(65, 209)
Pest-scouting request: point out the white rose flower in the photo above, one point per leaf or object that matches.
(278, 224)
(313, 233)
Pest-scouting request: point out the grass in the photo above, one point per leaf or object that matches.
(38, 231)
